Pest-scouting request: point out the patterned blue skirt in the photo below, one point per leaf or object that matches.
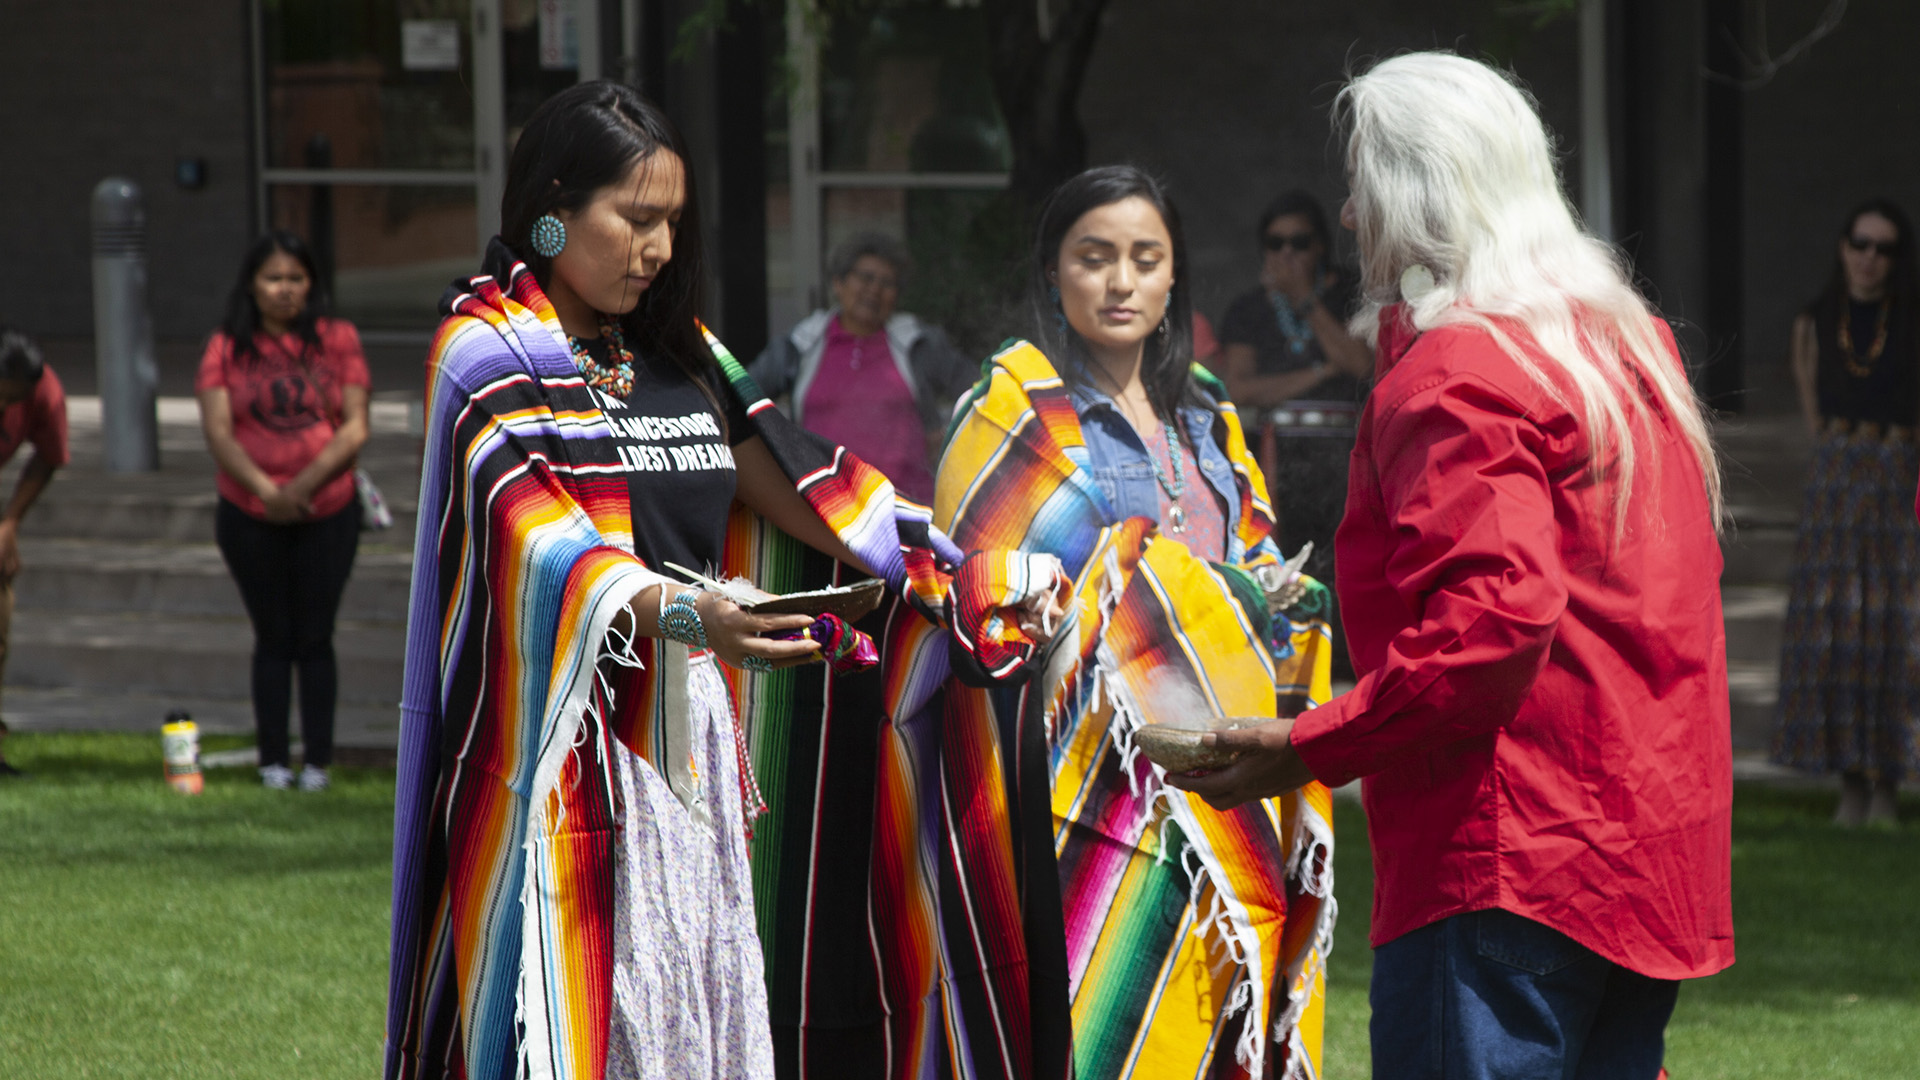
(1849, 658)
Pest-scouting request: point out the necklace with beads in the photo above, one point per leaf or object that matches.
(1177, 516)
(614, 379)
(1858, 366)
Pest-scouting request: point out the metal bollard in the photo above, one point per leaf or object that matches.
(123, 329)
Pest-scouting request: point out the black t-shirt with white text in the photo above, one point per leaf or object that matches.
(679, 462)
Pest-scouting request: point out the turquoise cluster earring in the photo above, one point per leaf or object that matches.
(549, 236)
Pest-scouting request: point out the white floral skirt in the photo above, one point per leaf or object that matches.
(689, 989)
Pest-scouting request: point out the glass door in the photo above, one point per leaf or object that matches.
(382, 129)
(365, 135)
(892, 127)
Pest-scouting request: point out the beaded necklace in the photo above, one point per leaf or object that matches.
(615, 379)
(1294, 329)
(1177, 517)
(1857, 366)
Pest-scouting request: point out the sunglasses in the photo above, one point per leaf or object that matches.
(1861, 243)
(1298, 242)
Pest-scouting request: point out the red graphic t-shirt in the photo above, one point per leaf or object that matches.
(286, 406)
(40, 419)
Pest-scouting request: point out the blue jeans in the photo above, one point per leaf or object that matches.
(1493, 996)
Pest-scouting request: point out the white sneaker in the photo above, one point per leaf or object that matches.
(313, 778)
(276, 777)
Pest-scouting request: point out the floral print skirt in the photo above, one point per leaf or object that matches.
(1849, 658)
(689, 988)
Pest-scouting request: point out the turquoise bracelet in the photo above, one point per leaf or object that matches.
(680, 620)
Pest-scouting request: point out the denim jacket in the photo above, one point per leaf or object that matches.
(1125, 473)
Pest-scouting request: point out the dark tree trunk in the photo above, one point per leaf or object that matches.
(1037, 80)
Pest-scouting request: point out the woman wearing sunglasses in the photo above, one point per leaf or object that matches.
(1298, 377)
(1849, 666)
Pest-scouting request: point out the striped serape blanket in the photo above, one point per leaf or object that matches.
(1042, 905)
(504, 815)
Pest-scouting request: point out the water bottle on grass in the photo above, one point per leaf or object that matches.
(180, 750)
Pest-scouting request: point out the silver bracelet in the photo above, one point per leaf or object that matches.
(680, 620)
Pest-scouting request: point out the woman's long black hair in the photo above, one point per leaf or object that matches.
(1166, 364)
(1903, 285)
(243, 312)
(581, 140)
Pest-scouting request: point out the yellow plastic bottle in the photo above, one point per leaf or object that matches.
(180, 750)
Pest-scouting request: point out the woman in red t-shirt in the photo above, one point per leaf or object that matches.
(283, 401)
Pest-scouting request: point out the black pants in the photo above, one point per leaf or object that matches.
(291, 578)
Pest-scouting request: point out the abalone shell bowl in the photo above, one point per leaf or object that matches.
(850, 602)
(1174, 745)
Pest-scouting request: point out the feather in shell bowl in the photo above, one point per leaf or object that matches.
(849, 602)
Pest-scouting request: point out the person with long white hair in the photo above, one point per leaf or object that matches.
(1529, 571)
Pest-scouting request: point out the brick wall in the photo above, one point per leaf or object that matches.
(92, 89)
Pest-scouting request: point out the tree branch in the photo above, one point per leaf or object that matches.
(1761, 67)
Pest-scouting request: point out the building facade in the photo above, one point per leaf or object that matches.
(380, 129)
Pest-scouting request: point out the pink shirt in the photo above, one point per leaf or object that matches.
(40, 419)
(858, 400)
(285, 400)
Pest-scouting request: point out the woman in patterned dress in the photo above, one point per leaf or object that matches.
(1848, 674)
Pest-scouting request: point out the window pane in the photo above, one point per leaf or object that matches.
(374, 84)
(905, 87)
(393, 248)
(540, 50)
(785, 305)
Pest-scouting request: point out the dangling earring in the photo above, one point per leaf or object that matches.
(1166, 319)
(549, 236)
(1059, 312)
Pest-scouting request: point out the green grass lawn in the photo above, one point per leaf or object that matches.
(244, 933)
(1826, 927)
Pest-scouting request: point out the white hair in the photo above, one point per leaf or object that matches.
(1451, 169)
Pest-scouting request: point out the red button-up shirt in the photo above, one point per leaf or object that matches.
(1542, 713)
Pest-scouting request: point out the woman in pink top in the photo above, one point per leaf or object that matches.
(867, 376)
(283, 401)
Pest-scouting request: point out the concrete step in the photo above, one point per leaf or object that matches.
(1753, 688)
(55, 709)
(177, 502)
(117, 653)
(1757, 554)
(102, 508)
(95, 575)
(1764, 463)
(1754, 616)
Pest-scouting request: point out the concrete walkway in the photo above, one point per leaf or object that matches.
(125, 611)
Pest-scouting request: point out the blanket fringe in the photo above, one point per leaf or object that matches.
(1222, 927)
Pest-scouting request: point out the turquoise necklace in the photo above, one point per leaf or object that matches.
(1177, 517)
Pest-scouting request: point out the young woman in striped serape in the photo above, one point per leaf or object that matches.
(571, 885)
(1043, 904)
